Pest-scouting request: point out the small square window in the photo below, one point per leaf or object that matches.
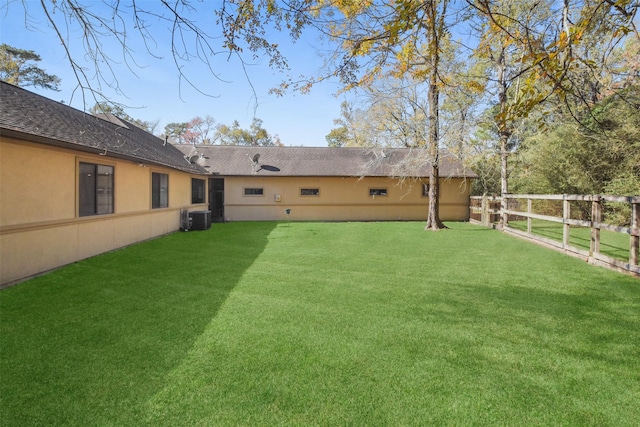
(425, 190)
(377, 191)
(309, 191)
(254, 191)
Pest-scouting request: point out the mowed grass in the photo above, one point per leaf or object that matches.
(615, 245)
(323, 324)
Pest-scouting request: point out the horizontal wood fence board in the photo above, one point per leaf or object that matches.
(488, 212)
(577, 222)
(616, 228)
(617, 263)
(576, 197)
(548, 242)
(535, 196)
(536, 216)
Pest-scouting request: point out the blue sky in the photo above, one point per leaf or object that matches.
(154, 92)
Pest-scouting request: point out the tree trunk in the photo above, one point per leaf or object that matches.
(433, 218)
(504, 175)
(504, 133)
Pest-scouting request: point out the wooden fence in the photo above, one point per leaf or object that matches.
(487, 211)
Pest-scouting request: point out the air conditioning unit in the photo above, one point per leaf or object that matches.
(200, 220)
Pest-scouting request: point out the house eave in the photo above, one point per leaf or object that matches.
(38, 139)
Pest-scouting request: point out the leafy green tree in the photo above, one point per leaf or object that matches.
(255, 135)
(18, 67)
(175, 132)
(338, 137)
(602, 157)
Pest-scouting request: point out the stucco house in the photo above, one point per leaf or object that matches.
(328, 184)
(73, 185)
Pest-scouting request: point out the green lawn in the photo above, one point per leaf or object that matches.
(323, 324)
(615, 245)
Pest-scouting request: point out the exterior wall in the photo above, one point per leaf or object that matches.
(40, 228)
(340, 199)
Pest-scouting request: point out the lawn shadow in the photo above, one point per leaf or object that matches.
(103, 334)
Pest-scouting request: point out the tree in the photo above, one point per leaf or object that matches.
(539, 50)
(199, 130)
(17, 66)
(590, 159)
(405, 39)
(174, 132)
(352, 130)
(255, 135)
(338, 137)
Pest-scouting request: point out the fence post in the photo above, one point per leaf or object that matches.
(596, 217)
(635, 233)
(529, 210)
(566, 214)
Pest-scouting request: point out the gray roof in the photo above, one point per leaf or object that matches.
(233, 160)
(26, 115)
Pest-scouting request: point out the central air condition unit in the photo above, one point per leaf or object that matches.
(200, 220)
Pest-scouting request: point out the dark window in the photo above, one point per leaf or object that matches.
(309, 191)
(425, 190)
(197, 190)
(377, 191)
(95, 189)
(253, 191)
(159, 190)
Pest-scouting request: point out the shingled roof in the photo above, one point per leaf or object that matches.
(26, 115)
(232, 160)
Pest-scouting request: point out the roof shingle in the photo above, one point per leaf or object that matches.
(26, 115)
(233, 160)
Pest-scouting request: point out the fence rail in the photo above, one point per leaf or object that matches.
(487, 211)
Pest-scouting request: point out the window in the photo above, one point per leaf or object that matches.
(159, 190)
(425, 190)
(309, 191)
(197, 191)
(95, 189)
(377, 191)
(254, 191)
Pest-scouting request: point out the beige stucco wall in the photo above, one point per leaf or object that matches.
(39, 224)
(340, 199)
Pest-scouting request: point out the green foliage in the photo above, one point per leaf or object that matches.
(255, 135)
(226, 327)
(602, 156)
(17, 67)
(338, 137)
(204, 131)
(174, 132)
(487, 166)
